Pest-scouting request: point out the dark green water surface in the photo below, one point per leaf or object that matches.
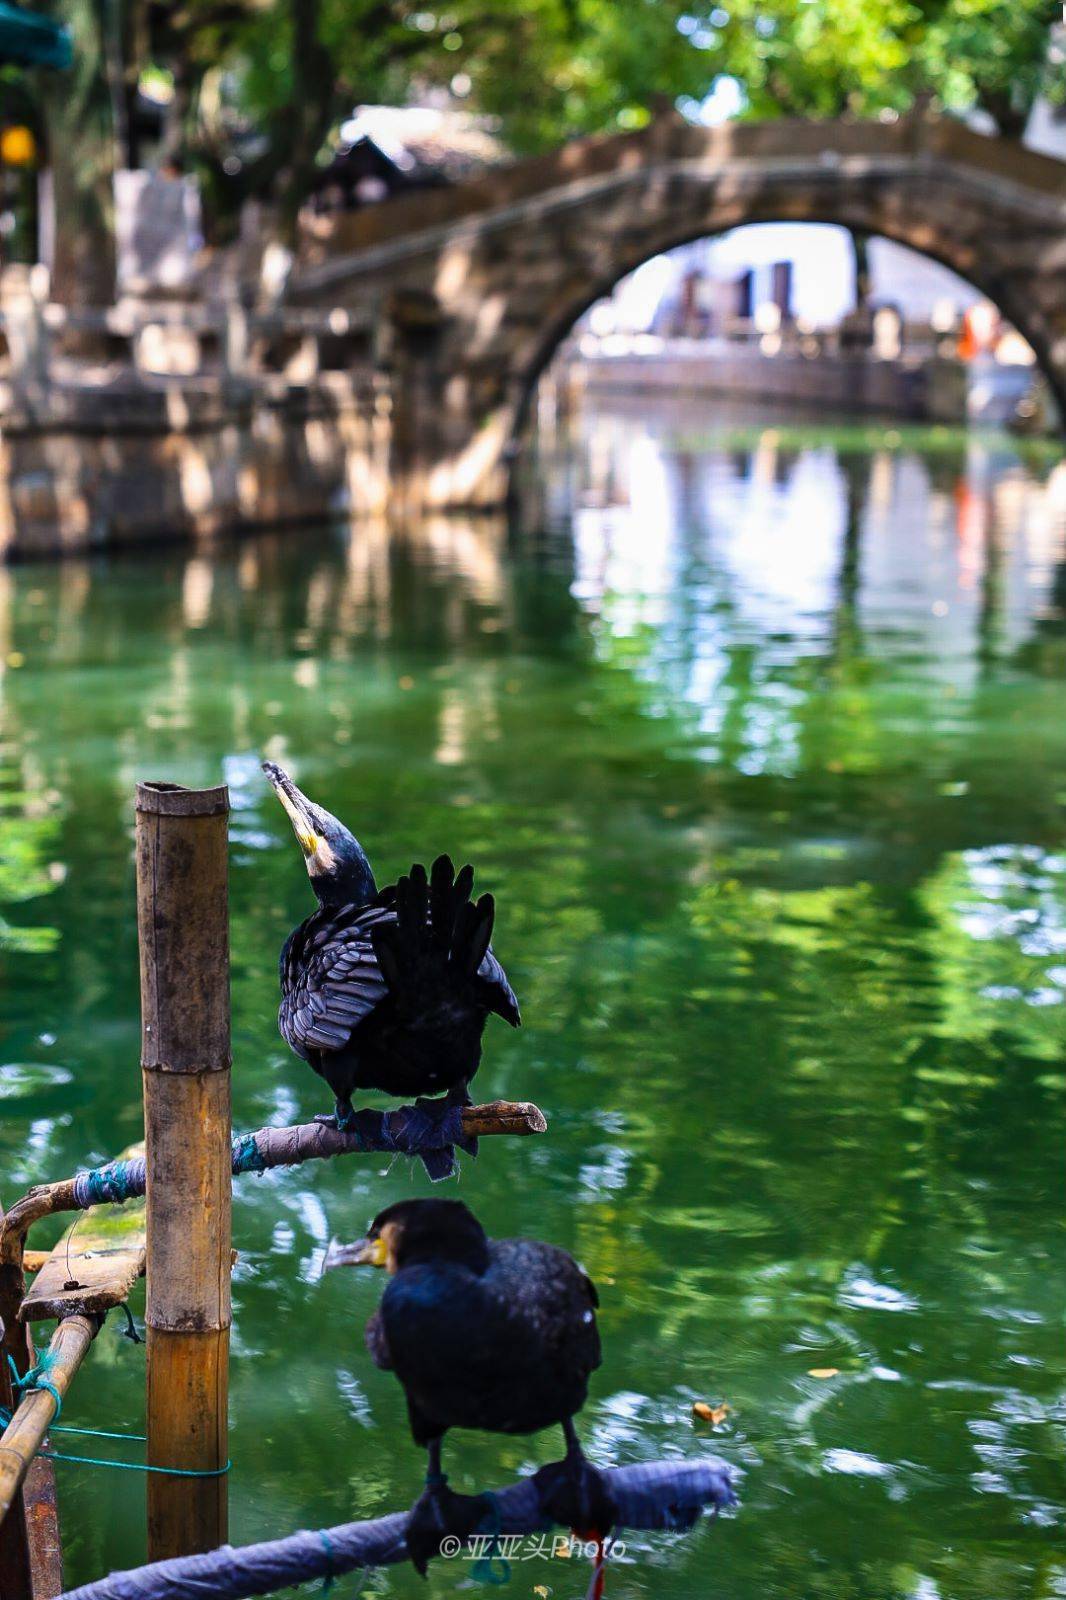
(759, 736)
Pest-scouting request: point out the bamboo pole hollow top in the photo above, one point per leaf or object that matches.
(173, 800)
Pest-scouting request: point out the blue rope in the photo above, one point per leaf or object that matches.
(327, 1581)
(133, 1466)
(493, 1567)
(116, 1182)
(119, 1181)
(99, 1433)
(247, 1156)
(36, 1378)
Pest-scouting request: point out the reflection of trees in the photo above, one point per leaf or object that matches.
(847, 640)
(27, 834)
(1044, 652)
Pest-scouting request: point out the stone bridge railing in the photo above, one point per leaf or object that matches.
(354, 243)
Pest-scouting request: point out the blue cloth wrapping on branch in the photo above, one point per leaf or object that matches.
(117, 1182)
(652, 1494)
(429, 1129)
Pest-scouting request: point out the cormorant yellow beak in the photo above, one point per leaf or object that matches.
(296, 805)
(365, 1253)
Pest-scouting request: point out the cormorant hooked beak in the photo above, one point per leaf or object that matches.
(335, 860)
(364, 1253)
(299, 808)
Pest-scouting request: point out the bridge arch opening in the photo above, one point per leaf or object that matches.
(941, 312)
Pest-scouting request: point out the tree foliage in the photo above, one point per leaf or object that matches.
(258, 88)
(828, 58)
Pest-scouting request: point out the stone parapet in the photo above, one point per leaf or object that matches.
(128, 467)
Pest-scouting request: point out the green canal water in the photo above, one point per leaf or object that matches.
(759, 736)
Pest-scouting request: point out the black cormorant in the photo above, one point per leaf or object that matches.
(386, 989)
(492, 1334)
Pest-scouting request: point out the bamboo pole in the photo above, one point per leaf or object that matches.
(24, 1434)
(183, 929)
(16, 1558)
(16, 1566)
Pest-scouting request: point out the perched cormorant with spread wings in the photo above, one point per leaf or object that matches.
(386, 989)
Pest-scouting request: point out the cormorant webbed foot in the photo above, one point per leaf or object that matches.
(439, 1109)
(439, 1513)
(445, 1125)
(574, 1493)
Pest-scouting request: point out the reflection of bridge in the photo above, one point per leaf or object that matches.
(472, 288)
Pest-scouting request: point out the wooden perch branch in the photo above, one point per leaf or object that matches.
(275, 1147)
(516, 1117)
(313, 1141)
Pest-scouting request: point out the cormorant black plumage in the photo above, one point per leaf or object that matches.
(386, 989)
(492, 1334)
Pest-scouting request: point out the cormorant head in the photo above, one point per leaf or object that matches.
(417, 1231)
(336, 862)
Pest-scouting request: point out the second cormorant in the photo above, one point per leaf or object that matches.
(491, 1334)
(386, 989)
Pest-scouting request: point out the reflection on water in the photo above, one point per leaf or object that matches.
(759, 735)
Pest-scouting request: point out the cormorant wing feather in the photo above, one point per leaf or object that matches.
(330, 979)
(499, 996)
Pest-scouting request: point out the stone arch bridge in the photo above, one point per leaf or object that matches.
(469, 290)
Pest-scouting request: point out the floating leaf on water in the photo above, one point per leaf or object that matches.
(712, 1414)
(823, 1372)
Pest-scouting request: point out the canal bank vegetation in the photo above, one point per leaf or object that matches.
(856, 439)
